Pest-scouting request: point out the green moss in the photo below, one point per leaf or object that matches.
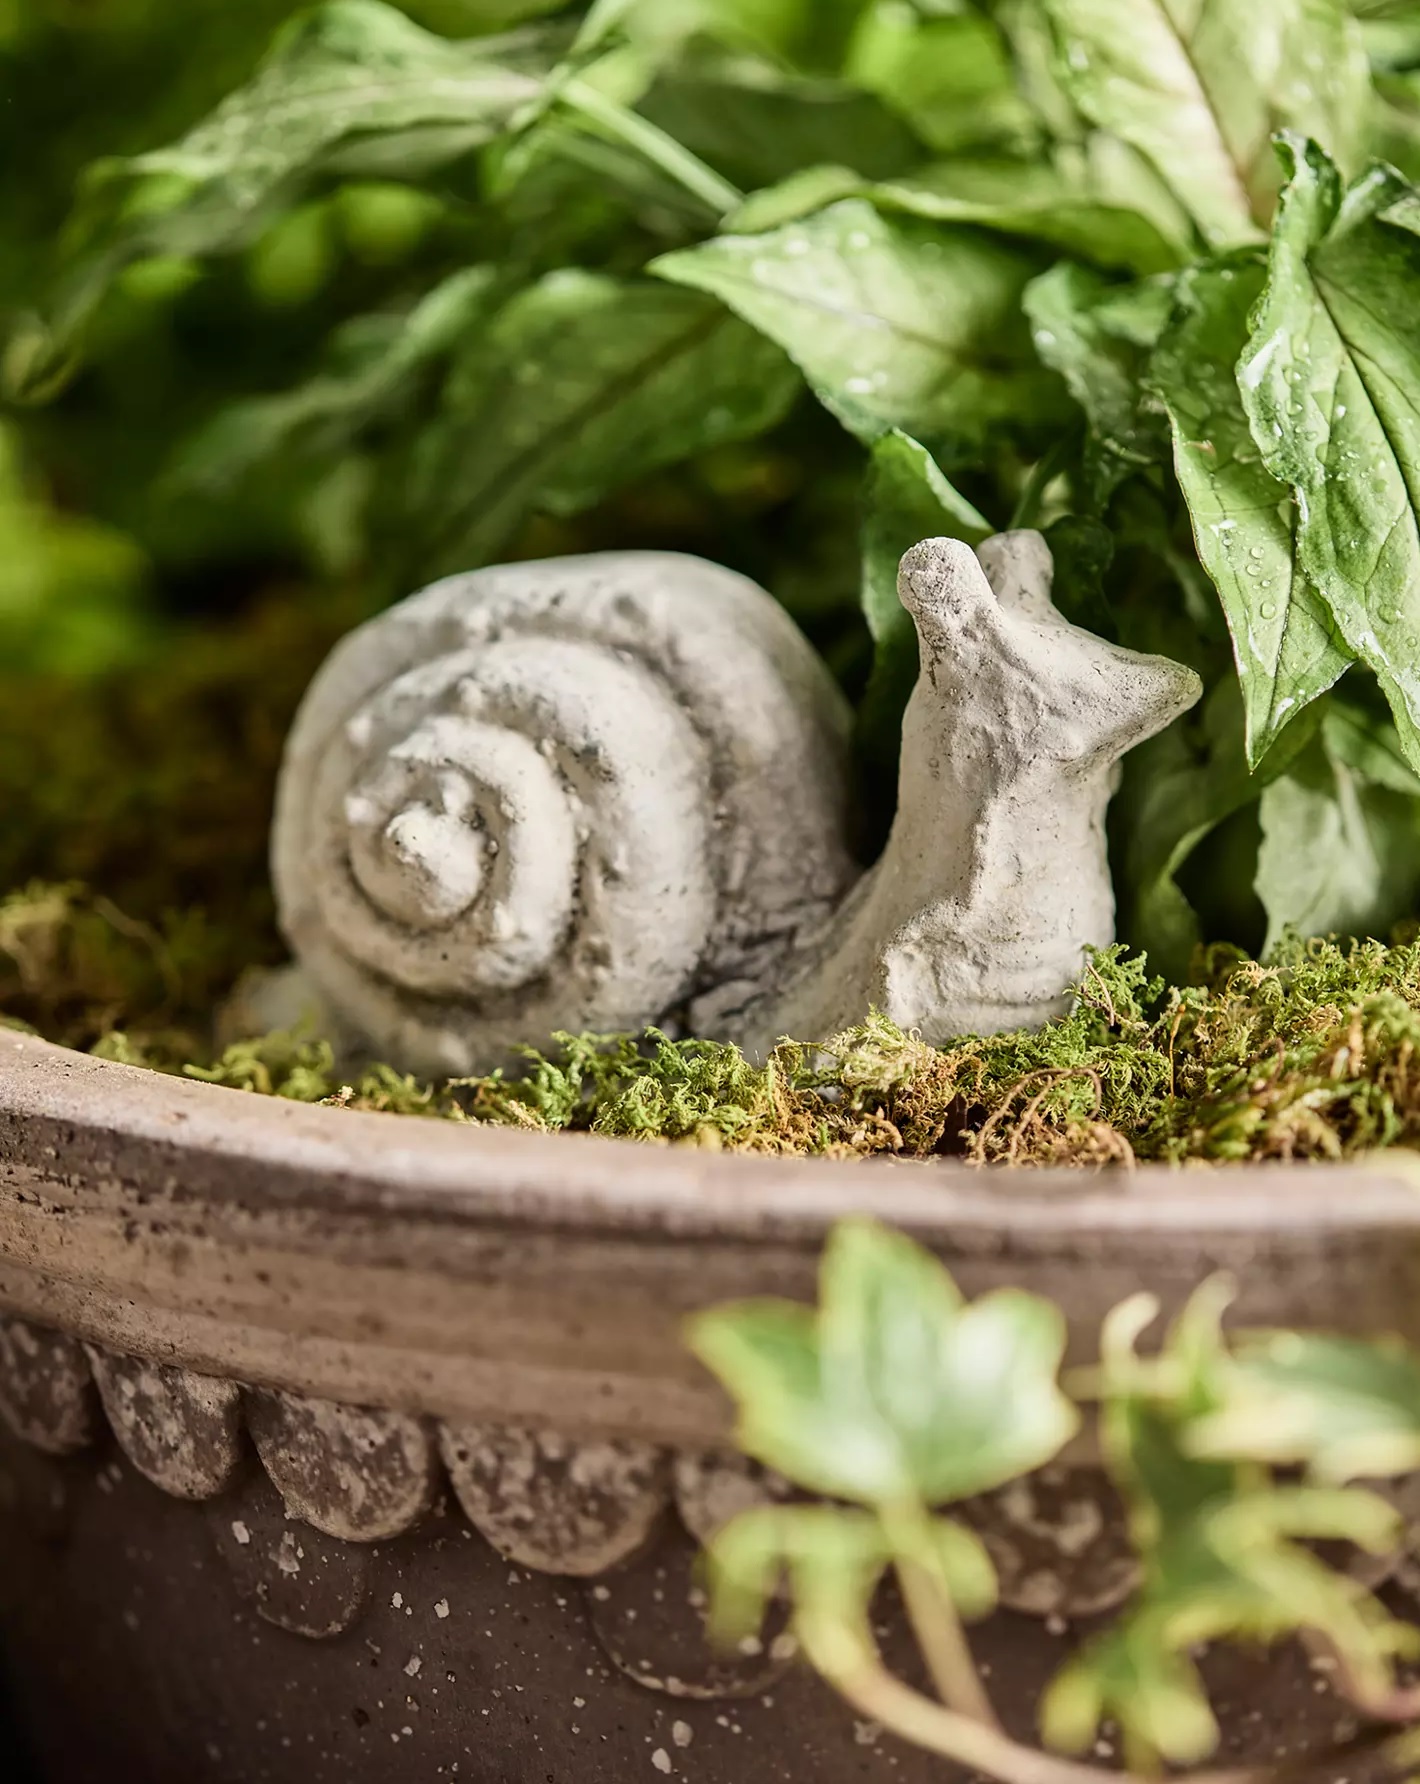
(153, 785)
(1313, 1053)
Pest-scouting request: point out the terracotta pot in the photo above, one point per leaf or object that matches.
(350, 1446)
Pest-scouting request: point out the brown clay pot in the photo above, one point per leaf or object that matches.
(351, 1447)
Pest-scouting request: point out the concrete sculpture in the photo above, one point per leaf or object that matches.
(595, 793)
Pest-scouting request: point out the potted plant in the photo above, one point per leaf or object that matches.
(403, 1428)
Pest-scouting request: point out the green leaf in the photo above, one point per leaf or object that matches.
(767, 1354)
(1329, 378)
(895, 323)
(579, 385)
(1178, 789)
(1340, 852)
(1098, 336)
(897, 1391)
(352, 87)
(1221, 1547)
(950, 77)
(1285, 642)
(1032, 199)
(906, 499)
(758, 131)
(1341, 1407)
(1199, 86)
(376, 361)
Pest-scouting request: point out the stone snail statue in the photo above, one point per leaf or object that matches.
(600, 792)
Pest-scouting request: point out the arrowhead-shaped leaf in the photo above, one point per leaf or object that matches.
(1285, 641)
(1328, 379)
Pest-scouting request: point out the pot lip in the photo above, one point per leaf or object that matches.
(65, 1112)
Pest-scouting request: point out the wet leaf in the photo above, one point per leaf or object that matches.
(1200, 88)
(579, 385)
(1097, 336)
(1329, 378)
(1032, 199)
(894, 322)
(1285, 642)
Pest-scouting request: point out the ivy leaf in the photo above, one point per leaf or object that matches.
(353, 87)
(1221, 1547)
(906, 499)
(1097, 336)
(833, 1551)
(1340, 852)
(895, 323)
(1199, 90)
(1328, 378)
(1341, 1407)
(575, 387)
(1285, 642)
(1031, 199)
(896, 1390)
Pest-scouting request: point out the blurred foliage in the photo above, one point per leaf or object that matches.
(326, 301)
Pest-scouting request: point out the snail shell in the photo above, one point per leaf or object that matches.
(574, 794)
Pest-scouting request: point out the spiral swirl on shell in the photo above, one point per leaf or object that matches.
(579, 794)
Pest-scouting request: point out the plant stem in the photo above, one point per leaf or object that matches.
(851, 1666)
(649, 140)
(933, 1616)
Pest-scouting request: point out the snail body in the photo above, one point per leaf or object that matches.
(595, 793)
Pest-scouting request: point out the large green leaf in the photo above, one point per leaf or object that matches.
(898, 1392)
(352, 87)
(1340, 852)
(1199, 86)
(895, 323)
(1033, 199)
(1097, 336)
(577, 386)
(1329, 378)
(1285, 642)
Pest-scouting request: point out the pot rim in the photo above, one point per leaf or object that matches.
(473, 1273)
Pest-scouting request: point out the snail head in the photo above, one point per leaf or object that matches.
(995, 648)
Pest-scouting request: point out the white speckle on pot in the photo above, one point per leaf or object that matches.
(441, 1609)
(682, 1734)
(661, 1760)
(397, 1602)
(412, 1666)
(240, 1531)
